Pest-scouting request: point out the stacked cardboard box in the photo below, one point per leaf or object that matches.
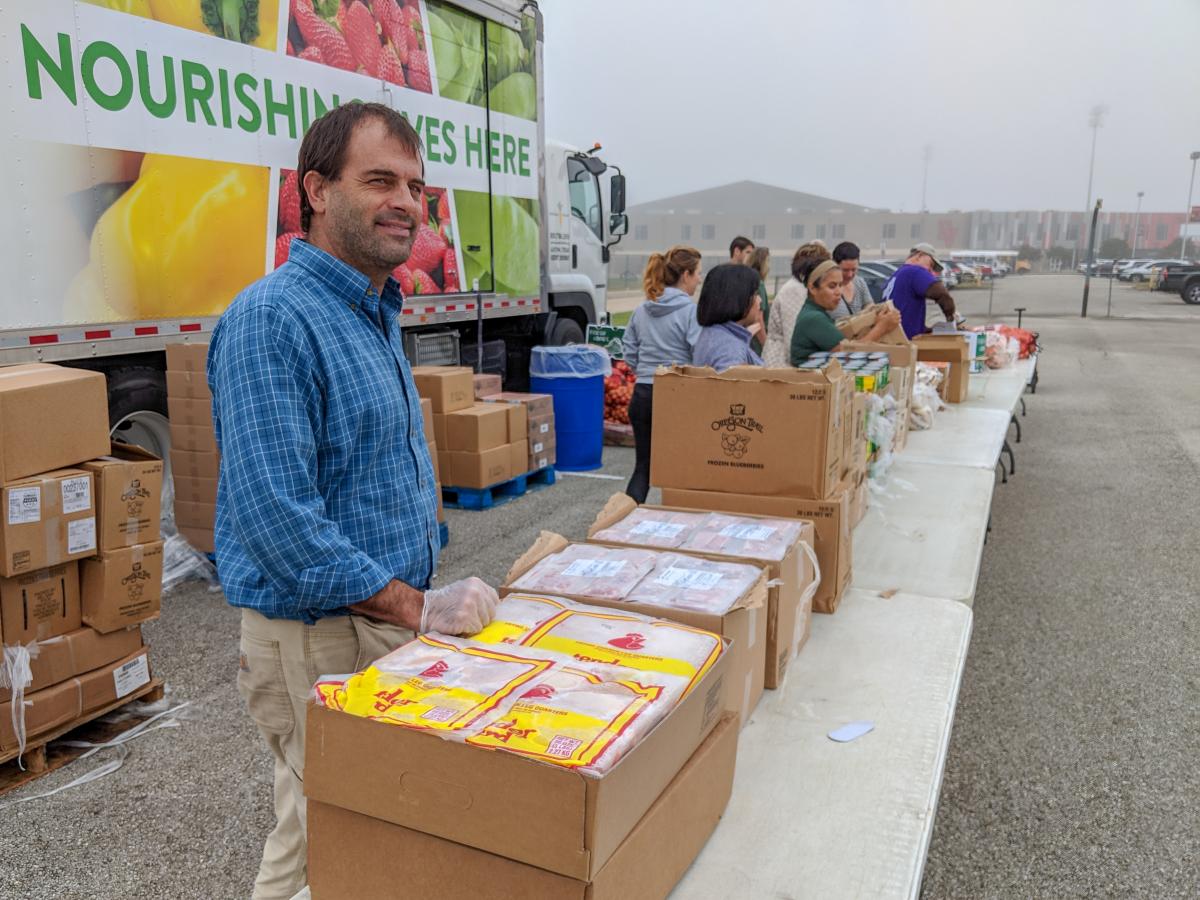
(540, 433)
(63, 536)
(771, 442)
(194, 459)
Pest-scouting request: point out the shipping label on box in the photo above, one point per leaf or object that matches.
(477, 428)
(448, 388)
(47, 519)
(53, 417)
(122, 587)
(749, 430)
(128, 496)
(39, 605)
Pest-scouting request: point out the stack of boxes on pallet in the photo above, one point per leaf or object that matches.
(484, 440)
(194, 457)
(80, 553)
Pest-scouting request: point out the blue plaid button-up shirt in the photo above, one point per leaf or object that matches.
(326, 490)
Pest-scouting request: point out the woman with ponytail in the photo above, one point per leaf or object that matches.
(661, 332)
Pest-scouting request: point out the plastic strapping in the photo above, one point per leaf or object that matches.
(811, 590)
(16, 675)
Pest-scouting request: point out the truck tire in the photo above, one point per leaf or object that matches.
(1191, 292)
(137, 408)
(565, 331)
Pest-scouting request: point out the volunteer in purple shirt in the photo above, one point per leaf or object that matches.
(915, 282)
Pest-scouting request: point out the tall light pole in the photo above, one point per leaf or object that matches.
(1136, 216)
(1095, 120)
(926, 155)
(1187, 216)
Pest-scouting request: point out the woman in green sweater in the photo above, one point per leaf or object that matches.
(815, 331)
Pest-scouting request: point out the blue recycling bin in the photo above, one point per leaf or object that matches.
(574, 376)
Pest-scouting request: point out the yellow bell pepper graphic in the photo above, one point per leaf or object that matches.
(134, 7)
(253, 22)
(185, 238)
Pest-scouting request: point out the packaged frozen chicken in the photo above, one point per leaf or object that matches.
(696, 584)
(752, 538)
(652, 528)
(590, 571)
(517, 615)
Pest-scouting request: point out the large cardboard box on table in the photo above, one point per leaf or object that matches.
(51, 417)
(448, 388)
(67, 655)
(745, 624)
(128, 496)
(54, 707)
(750, 430)
(39, 605)
(542, 815)
(47, 519)
(789, 614)
(830, 519)
(955, 350)
(344, 848)
(122, 587)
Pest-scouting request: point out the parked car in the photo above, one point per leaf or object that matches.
(1129, 266)
(1139, 272)
(1182, 277)
(966, 274)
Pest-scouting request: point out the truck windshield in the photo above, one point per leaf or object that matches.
(585, 195)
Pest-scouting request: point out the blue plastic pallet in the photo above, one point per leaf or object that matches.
(498, 494)
(444, 533)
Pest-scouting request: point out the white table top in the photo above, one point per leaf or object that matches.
(1000, 389)
(963, 434)
(924, 534)
(813, 818)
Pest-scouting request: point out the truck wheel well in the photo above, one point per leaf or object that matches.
(576, 306)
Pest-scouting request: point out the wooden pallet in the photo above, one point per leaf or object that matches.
(497, 494)
(41, 758)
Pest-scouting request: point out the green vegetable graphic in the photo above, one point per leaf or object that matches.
(516, 249)
(516, 95)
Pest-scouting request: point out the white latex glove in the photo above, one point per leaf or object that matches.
(464, 607)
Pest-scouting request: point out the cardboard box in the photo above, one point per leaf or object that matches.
(535, 404)
(188, 386)
(54, 707)
(196, 438)
(345, 847)
(955, 350)
(860, 496)
(476, 428)
(518, 460)
(195, 490)
(197, 515)
(427, 420)
(67, 655)
(448, 388)
(518, 422)
(129, 484)
(46, 520)
(190, 464)
(39, 605)
(478, 470)
(857, 462)
(855, 327)
(433, 457)
(541, 429)
(190, 411)
(122, 587)
(547, 456)
(750, 430)
(744, 625)
(486, 385)
(902, 375)
(789, 615)
(830, 519)
(53, 417)
(199, 537)
(439, 430)
(187, 356)
(535, 813)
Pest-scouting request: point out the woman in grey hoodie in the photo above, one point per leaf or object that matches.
(661, 332)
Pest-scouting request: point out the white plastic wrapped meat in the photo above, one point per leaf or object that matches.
(587, 570)
(694, 583)
(767, 539)
(652, 528)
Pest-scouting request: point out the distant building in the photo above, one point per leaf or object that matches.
(783, 219)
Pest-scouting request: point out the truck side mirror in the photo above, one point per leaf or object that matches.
(617, 201)
(618, 224)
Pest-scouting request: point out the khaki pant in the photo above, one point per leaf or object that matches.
(280, 661)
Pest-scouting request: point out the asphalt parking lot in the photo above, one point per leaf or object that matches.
(1072, 763)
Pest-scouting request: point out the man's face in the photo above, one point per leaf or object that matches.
(849, 269)
(370, 214)
(742, 257)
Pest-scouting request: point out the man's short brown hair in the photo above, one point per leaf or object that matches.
(324, 147)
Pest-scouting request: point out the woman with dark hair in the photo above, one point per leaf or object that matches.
(661, 332)
(760, 262)
(814, 330)
(728, 307)
(788, 303)
(856, 296)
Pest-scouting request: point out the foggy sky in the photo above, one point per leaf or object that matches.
(839, 98)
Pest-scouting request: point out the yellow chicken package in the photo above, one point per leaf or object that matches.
(516, 616)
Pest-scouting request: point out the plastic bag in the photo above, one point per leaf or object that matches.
(653, 528)
(767, 539)
(694, 583)
(572, 361)
(1000, 352)
(586, 570)
(925, 399)
(881, 431)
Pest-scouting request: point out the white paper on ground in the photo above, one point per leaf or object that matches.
(851, 732)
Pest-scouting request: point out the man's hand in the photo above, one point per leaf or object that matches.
(397, 604)
(464, 607)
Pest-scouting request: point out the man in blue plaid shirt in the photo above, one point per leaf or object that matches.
(326, 530)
